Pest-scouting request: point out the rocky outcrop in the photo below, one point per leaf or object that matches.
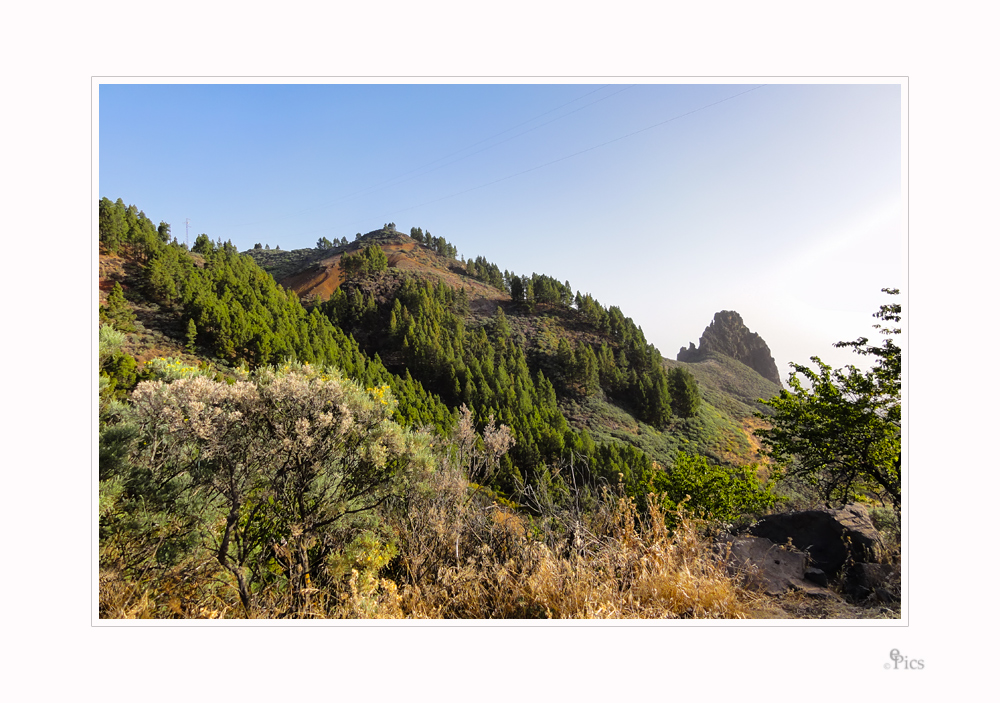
(831, 537)
(727, 334)
(774, 569)
(810, 550)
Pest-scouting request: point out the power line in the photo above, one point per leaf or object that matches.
(388, 182)
(547, 163)
(505, 140)
(482, 141)
(577, 153)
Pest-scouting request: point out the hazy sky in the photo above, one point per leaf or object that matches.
(782, 202)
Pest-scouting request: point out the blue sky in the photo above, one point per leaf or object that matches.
(783, 202)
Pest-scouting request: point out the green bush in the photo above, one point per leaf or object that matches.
(715, 492)
(262, 475)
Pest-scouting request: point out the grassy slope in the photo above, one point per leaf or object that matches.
(722, 429)
(730, 385)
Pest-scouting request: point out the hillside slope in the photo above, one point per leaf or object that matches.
(721, 429)
(315, 274)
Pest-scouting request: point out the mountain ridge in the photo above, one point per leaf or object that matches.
(728, 335)
(729, 385)
(441, 333)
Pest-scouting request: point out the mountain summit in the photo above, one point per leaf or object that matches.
(728, 335)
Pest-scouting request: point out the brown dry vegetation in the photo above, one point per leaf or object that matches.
(460, 555)
(755, 455)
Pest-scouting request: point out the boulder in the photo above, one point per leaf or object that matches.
(830, 537)
(817, 576)
(768, 567)
(866, 580)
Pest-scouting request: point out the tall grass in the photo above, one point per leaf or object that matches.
(457, 553)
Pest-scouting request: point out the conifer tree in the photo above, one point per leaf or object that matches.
(684, 396)
(117, 312)
(192, 336)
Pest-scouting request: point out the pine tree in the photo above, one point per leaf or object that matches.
(192, 336)
(117, 312)
(684, 396)
(587, 370)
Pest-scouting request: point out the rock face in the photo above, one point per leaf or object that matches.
(727, 334)
(831, 537)
(765, 566)
(809, 550)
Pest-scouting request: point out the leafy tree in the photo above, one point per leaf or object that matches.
(323, 244)
(586, 371)
(516, 289)
(376, 258)
(844, 430)
(501, 328)
(371, 259)
(566, 359)
(112, 226)
(164, 231)
(711, 491)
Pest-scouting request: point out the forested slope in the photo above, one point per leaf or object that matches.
(434, 438)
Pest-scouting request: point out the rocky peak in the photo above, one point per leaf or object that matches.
(727, 334)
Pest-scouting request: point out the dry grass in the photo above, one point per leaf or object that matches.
(461, 555)
(610, 564)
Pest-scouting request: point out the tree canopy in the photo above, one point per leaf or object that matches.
(842, 432)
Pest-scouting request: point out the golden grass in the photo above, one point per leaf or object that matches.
(625, 570)
(464, 557)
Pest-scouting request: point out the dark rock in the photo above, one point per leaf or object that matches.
(768, 567)
(817, 576)
(727, 334)
(865, 580)
(831, 537)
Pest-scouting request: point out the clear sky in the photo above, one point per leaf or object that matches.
(783, 202)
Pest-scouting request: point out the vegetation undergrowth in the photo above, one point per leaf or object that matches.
(294, 494)
(386, 453)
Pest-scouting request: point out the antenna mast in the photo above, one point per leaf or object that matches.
(187, 225)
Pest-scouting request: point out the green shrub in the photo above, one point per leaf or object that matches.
(262, 474)
(711, 491)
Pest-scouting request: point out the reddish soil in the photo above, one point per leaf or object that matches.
(111, 270)
(323, 278)
(318, 280)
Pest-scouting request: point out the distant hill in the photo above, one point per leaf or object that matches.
(315, 273)
(577, 382)
(721, 429)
